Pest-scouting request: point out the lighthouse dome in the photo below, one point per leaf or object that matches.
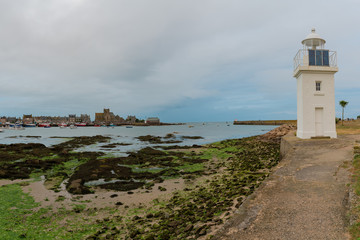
(313, 40)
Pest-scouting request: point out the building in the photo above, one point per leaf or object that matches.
(108, 117)
(59, 120)
(3, 120)
(83, 118)
(43, 119)
(153, 121)
(131, 119)
(28, 119)
(314, 69)
(72, 118)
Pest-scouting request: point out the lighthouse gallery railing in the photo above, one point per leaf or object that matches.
(321, 57)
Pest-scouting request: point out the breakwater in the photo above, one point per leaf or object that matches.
(265, 122)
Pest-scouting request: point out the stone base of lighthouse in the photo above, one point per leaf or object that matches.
(311, 134)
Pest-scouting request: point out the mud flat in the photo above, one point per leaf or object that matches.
(173, 193)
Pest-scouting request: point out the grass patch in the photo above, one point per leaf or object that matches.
(355, 210)
(79, 207)
(19, 219)
(350, 127)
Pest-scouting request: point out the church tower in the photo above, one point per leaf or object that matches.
(314, 70)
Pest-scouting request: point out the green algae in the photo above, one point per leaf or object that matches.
(234, 169)
(246, 162)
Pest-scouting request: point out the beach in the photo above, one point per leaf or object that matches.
(177, 192)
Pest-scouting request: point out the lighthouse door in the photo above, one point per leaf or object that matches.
(319, 130)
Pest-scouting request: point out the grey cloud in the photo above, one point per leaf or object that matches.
(148, 56)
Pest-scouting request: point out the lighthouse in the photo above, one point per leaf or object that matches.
(314, 70)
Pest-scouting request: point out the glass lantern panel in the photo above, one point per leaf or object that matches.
(311, 57)
(319, 58)
(326, 57)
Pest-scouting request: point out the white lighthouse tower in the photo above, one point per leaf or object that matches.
(314, 69)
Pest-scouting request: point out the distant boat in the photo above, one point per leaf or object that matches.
(44, 125)
(1, 130)
(29, 125)
(47, 126)
(96, 125)
(73, 126)
(16, 126)
(190, 126)
(81, 124)
(129, 126)
(62, 125)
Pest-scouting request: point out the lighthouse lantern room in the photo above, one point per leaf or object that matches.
(314, 69)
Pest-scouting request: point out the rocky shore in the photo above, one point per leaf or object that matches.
(188, 192)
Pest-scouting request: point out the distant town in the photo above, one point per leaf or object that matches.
(106, 118)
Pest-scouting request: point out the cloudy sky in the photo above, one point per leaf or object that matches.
(180, 60)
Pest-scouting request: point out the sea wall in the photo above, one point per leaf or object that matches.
(287, 143)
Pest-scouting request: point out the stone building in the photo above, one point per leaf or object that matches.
(131, 119)
(42, 119)
(153, 121)
(83, 118)
(28, 119)
(72, 118)
(3, 120)
(108, 117)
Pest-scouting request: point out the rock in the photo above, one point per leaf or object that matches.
(150, 237)
(202, 232)
(188, 228)
(134, 233)
(162, 188)
(113, 195)
(278, 133)
(173, 223)
(75, 183)
(118, 203)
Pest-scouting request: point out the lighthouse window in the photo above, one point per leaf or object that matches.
(318, 86)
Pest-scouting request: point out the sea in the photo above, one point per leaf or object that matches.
(209, 131)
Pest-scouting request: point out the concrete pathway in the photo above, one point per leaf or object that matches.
(305, 198)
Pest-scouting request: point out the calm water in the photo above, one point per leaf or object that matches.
(211, 132)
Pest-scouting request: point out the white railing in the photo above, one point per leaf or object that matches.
(302, 58)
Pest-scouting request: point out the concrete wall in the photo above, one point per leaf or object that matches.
(286, 144)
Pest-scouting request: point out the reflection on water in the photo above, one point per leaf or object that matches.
(211, 132)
